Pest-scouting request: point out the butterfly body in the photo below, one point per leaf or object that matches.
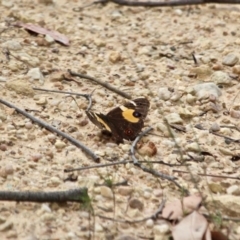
(123, 122)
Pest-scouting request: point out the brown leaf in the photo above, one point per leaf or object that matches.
(40, 30)
(194, 226)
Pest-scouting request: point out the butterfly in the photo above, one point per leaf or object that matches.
(122, 122)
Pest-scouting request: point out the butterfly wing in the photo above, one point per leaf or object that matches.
(128, 119)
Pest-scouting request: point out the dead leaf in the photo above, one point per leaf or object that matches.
(40, 30)
(174, 210)
(192, 227)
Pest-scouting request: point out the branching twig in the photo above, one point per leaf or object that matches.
(104, 84)
(53, 129)
(73, 195)
(152, 171)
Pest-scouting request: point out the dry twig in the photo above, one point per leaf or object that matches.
(152, 171)
(104, 84)
(166, 3)
(53, 129)
(73, 195)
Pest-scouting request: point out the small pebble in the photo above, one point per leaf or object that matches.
(125, 191)
(230, 60)
(164, 93)
(149, 223)
(36, 74)
(236, 69)
(174, 118)
(220, 77)
(136, 204)
(60, 144)
(214, 128)
(115, 57)
(161, 229)
(233, 190)
(106, 192)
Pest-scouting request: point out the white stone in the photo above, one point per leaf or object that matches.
(204, 90)
(35, 74)
(220, 77)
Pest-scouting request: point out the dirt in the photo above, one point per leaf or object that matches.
(141, 51)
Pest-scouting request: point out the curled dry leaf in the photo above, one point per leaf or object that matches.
(194, 226)
(40, 30)
(148, 149)
(174, 210)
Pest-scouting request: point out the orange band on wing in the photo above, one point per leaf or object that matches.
(128, 114)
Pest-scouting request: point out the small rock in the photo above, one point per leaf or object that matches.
(220, 77)
(147, 50)
(164, 93)
(125, 191)
(6, 226)
(115, 57)
(98, 228)
(20, 87)
(106, 192)
(12, 45)
(7, 3)
(215, 187)
(214, 128)
(60, 144)
(149, 223)
(236, 69)
(6, 170)
(161, 229)
(100, 43)
(174, 118)
(146, 195)
(233, 190)
(36, 74)
(136, 204)
(234, 113)
(194, 147)
(55, 181)
(49, 39)
(230, 60)
(204, 90)
(42, 101)
(116, 14)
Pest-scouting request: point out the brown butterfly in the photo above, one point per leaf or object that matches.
(123, 122)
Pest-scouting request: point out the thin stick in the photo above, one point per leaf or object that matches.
(152, 171)
(53, 129)
(63, 92)
(73, 195)
(167, 3)
(117, 163)
(104, 84)
(208, 175)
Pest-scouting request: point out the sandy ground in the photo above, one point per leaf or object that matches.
(143, 52)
